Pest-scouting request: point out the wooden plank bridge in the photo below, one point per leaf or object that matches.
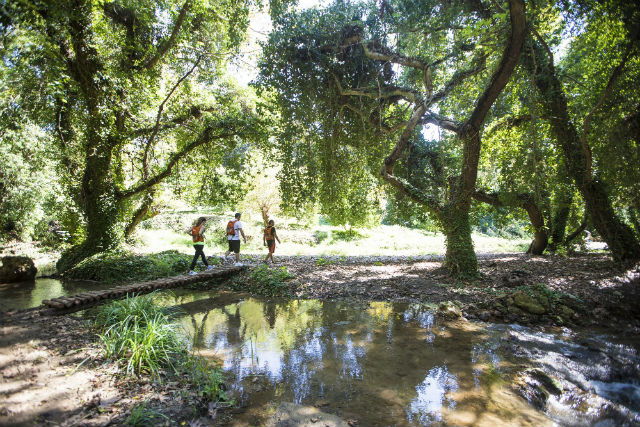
(83, 300)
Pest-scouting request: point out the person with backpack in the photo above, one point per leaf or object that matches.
(234, 230)
(269, 239)
(197, 235)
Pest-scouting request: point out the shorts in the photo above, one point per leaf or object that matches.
(271, 244)
(234, 246)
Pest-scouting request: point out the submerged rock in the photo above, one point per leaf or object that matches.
(535, 386)
(290, 414)
(16, 269)
(449, 310)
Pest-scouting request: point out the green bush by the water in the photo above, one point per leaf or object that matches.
(266, 281)
(121, 266)
(143, 338)
(139, 334)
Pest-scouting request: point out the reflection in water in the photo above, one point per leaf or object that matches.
(19, 296)
(379, 363)
(432, 396)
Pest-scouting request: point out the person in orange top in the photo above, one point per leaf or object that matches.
(197, 234)
(269, 238)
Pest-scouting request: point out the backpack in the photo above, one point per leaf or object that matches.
(268, 233)
(197, 236)
(230, 230)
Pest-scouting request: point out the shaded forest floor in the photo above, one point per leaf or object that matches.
(585, 289)
(53, 374)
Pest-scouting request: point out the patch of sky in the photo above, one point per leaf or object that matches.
(426, 408)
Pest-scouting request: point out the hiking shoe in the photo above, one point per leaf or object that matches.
(192, 273)
(210, 267)
(238, 264)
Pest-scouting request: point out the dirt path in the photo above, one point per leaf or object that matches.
(44, 380)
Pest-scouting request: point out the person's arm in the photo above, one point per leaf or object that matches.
(264, 239)
(242, 232)
(275, 234)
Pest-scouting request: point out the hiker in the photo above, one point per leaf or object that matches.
(269, 238)
(197, 234)
(234, 230)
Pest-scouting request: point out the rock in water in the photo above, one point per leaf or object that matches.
(293, 415)
(16, 269)
(449, 310)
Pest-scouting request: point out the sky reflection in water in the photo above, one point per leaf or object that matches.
(381, 363)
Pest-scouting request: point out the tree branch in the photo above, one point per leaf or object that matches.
(587, 120)
(375, 93)
(508, 62)
(165, 45)
(149, 143)
(443, 122)
(205, 137)
(193, 112)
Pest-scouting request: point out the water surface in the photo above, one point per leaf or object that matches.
(23, 295)
(392, 364)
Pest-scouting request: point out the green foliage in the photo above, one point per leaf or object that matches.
(142, 415)
(143, 337)
(324, 261)
(319, 236)
(119, 266)
(346, 235)
(140, 336)
(207, 379)
(553, 296)
(271, 282)
(133, 104)
(27, 182)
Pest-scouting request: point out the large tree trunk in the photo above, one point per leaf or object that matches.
(615, 233)
(559, 222)
(460, 257)
(99, 202)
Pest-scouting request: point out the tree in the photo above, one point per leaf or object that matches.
(572, 128)
(126, 91)
(365, 78)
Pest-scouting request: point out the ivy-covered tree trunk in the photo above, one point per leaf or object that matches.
(618, 236)
(460, 257)
(99, 202)
(527, 202)
(559, 221)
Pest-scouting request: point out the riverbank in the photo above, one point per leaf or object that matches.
(53, 372)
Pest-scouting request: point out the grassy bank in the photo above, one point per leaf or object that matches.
(146, 342)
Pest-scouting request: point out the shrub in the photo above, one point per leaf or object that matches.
(267, 281)
(118, 266)
(347, 235)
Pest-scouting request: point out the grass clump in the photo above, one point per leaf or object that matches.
(144, 338)
(266, 281)
(142, 415)
(121, 266)
(140, 335)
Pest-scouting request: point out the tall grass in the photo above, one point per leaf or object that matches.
(140, 334)
(144, 338)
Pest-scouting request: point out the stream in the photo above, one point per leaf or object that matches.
(339, 363)
(395, 364)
